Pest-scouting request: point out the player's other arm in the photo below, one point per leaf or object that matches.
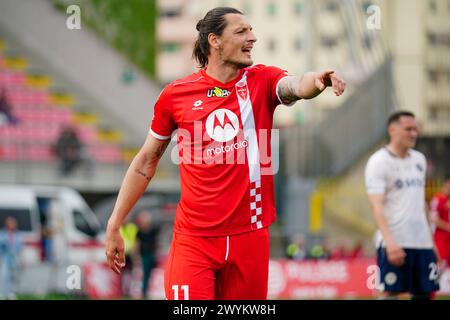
(396, 255)
(434, 217)
(137, 178)
(309, 85)
(440, 223)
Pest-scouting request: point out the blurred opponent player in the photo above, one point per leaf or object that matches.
(223, 114)
(395, 181)
(440, 217)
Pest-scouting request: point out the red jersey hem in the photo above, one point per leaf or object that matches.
(216, 234)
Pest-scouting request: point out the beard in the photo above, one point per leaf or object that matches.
(238, 64)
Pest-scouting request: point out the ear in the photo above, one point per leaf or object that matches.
(214, 41)
(392, 128)
(389, 129)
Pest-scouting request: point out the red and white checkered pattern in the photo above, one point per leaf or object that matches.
(255, 204)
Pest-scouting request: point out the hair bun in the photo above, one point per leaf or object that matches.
(199, 24)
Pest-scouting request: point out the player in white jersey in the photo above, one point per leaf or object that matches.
(395, 182)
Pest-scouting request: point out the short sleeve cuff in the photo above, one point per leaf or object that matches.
(279, 99)
(375, 190)
(158, 136)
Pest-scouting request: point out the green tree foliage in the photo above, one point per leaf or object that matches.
(129, 26)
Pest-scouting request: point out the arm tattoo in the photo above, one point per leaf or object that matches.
(140, 172)
(153, 160)
(286, 90)
(161, 148)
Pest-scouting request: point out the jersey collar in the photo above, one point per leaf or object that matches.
(394, 155)
(217, 83)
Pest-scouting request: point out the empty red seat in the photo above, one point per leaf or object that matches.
(40, 153)
(87, 134)
(11, 79)
(8, 152)
(36, 116)
(28, 97)
(25, 152)
(30, 133)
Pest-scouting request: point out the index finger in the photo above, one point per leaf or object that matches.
(121, 257)
(111, 258)
(336, 84)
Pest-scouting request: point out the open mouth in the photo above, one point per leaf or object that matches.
(247, 51)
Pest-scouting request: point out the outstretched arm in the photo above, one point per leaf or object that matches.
(309, 85)
(137, 178)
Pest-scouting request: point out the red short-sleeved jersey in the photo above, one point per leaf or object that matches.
(440, 208)
(224, 132)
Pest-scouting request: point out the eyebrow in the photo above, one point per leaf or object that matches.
(243, 26)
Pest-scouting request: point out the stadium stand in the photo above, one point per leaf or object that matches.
(42, 112)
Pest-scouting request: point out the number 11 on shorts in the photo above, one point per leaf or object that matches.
(176, 289)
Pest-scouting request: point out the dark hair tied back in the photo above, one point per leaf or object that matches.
(199, 25)
(213, 22)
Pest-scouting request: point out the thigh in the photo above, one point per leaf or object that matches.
(393, 279)
(191, 268)
(426, 275)
(245, 274)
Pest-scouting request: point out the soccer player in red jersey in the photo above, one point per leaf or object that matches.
(223, 116)
(440, 217)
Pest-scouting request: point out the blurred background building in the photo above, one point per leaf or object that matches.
(103, 79)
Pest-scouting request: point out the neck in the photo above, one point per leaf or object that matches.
(398, 150)
(222, 72)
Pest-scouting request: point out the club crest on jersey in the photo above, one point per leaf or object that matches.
(222, 125)
(217, 92)
(242, 90)
(419, 167)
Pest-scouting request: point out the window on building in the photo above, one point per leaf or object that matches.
(271, 45)
(170, 12)
(170, 47)
(271, 9)
(432, 38)
(328, 42)
(298, 44)
(439, 112)
(298, 8)
(331, 6)
(432, 5)
(433, 112)
(433, 76)
(446, 39)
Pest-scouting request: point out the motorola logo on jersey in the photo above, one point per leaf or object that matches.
(222, 125)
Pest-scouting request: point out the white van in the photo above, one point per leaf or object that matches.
(21, 203)
(72, 226)
(62, 214)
